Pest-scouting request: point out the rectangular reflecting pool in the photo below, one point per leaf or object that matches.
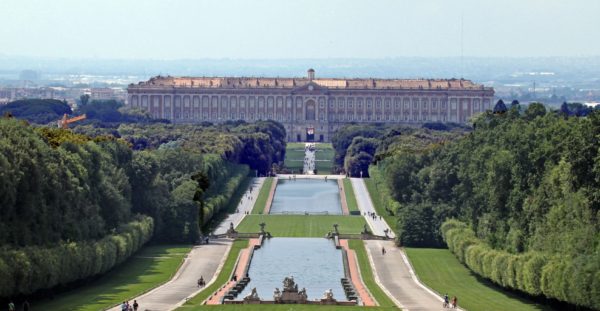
(306, 196)
(314, 263)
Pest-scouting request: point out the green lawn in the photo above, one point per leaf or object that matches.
(150, 267)
(302, 226)
(263, 195)
(379, 207)
(350, 198)
(223, 277)
(441, 271)
(324, 152)
(294, 157)
(367, 275)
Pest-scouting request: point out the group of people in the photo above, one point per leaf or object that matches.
(372, 215)
(450, 303)
(125, 306)
(309, 163)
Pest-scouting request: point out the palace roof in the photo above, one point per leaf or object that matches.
(292, 83)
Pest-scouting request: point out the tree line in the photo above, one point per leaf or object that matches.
(525, 182)
(72, 193)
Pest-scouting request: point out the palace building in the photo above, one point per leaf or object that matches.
(310, 108)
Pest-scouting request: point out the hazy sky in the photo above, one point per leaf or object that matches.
(298, 29)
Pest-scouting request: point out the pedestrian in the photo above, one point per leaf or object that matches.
(382, 250)
(123, 306)
(446, 301)
(201, 281)
(26, 305)
(11, 306)
(135, 305)
(454, 302)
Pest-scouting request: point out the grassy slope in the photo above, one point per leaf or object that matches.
(350, 198)
(294, 151)
(300, 225)
(379, 207)
(263, 195)
(441, 271)
(223, 275)
(324, 152)
(367, 275)
(150, 267)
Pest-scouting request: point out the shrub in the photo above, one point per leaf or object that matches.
(26, 270)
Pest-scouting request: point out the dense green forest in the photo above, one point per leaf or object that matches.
(357, 146)
(524, 188)
(41, 111)
(89, 196)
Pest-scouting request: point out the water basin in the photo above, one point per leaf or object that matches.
(314, 263)
(306, 196)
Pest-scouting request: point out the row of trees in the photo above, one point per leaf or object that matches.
(25, 270)
(525, 181)
(572, 279)
(60, 187)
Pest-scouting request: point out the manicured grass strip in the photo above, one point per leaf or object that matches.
(324, 152)
(294, 157)
(224, 275)
(263, 195)
(301, 225)
(350, 198)
(379, 207)
(150, 267)
(441, 271)
(367, 274)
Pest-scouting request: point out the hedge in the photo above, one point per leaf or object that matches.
(26, 270)
(226, 178)
(574, 280)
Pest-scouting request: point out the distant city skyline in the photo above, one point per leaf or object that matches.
(270, 29)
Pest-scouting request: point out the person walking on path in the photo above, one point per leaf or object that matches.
(11, 306)
(454, 302)
(382, 250)
(26, 305)
(135, 305)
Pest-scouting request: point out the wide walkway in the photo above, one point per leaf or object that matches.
(309, 159)
(395, 273)
(203, 260)
(365, 205)
(246, 204)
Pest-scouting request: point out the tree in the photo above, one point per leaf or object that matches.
(535, 110)
(500, 107)
(564, 110)
(84, 99)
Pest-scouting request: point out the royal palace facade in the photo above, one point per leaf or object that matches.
(311, 109)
